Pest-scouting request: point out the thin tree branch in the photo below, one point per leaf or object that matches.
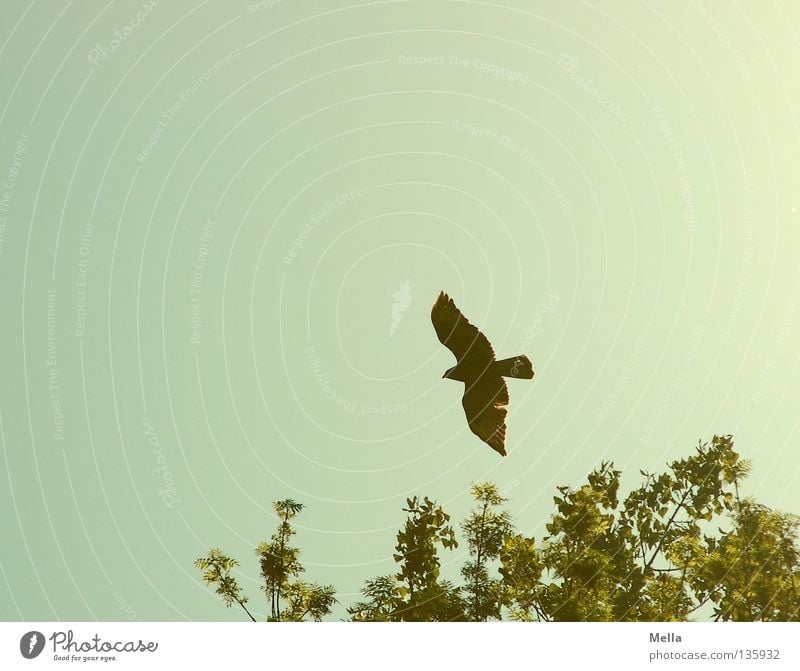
(245, 608)
(667, 527)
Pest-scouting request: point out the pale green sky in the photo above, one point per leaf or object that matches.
(204, 218)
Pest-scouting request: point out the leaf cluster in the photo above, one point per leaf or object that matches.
(290, 599)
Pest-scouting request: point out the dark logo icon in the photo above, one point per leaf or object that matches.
(31, 644)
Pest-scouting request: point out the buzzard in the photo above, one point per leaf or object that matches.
(485, 392)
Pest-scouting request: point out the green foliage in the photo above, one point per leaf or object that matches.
(652, 556)
(415, 593)
(279, 561)
(585, 552)
(416, 543)
(384, 597)
(216, 568)
(634, 561)
(648, 557)
(521, 569)
(485, 529)
(290, 599)
(304, 599)
(753, 571)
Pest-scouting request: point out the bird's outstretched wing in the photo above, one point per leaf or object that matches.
(457, 334)
(485, 404)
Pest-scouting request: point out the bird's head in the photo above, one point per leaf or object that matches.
(451, 374)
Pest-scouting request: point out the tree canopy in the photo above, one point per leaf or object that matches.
(290, 599)
(682, 545)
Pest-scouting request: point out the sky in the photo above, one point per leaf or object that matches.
(223, 225)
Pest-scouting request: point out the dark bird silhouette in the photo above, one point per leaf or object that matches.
(485, 392)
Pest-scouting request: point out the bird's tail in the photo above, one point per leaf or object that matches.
(517, 366)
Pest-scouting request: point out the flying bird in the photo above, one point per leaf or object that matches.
(485, 392)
